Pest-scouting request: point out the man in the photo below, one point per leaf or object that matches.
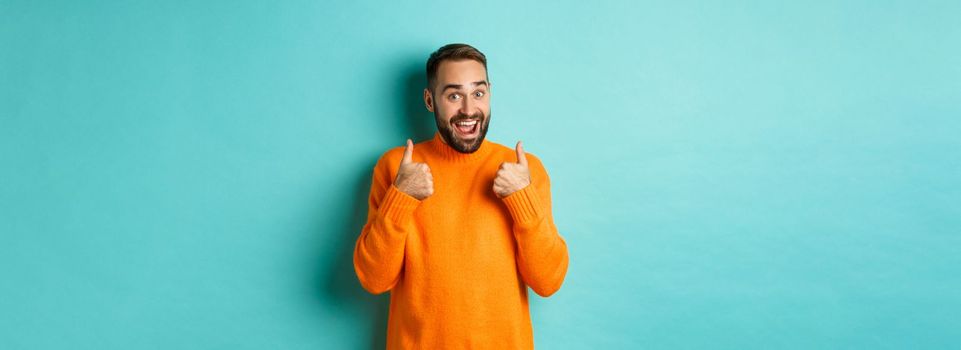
(458, 226)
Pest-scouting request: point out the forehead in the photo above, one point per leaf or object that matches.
(461, 72)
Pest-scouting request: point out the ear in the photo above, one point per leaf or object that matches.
(428, 100)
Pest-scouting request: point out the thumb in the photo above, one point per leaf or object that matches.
(408, 153)
(521, 156)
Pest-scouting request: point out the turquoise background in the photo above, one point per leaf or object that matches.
(728, 175)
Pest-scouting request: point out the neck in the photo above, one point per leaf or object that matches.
(446, 152)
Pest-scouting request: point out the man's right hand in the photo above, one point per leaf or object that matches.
(414, 179)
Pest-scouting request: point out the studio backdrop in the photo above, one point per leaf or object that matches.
(727, 175)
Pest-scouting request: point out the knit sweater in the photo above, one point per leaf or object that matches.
(458, 263)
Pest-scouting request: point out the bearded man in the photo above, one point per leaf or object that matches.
(459, 227)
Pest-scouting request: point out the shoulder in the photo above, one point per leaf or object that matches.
(509, 154)
(393, 155)
(391, 158)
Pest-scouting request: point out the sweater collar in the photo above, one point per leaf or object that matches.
(448, 153)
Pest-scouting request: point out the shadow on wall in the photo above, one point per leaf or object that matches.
(340, 284)
(418, 122)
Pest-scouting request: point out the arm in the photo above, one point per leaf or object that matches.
(379, 252)
(542, 252)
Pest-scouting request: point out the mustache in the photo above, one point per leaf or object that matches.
(461, 117)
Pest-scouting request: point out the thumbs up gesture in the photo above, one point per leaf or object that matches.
(414, 179)
(513, 177)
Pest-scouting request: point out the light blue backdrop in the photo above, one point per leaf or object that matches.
(728, 175)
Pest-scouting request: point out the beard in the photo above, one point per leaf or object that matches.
(450, 136)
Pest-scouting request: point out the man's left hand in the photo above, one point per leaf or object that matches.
(513, 177)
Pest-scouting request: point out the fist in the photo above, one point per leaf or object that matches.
(414, 179)
(513, 177)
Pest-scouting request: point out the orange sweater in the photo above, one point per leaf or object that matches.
(458, 263)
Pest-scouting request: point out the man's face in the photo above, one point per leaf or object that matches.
(460, 101)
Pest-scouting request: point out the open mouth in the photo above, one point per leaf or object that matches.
(467, 128)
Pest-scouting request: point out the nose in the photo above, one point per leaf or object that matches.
(467, 106)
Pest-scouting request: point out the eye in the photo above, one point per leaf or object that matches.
(479, 94)
(453, 97)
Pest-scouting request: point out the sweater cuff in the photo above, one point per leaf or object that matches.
(398, 206)
(524, 205)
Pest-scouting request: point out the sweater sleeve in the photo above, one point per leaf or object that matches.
(542, 252)
(379, 252)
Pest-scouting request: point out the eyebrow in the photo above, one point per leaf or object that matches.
(458, 86)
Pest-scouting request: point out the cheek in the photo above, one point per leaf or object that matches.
(451, 108)
(485, 108)
(444, 113)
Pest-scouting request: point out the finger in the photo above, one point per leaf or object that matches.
(408, 153)
(521, 156)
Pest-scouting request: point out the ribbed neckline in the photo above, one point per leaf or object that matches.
(448, 153)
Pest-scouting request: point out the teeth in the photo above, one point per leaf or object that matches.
(467, 123)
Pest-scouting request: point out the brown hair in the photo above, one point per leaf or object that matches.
(454, 52)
